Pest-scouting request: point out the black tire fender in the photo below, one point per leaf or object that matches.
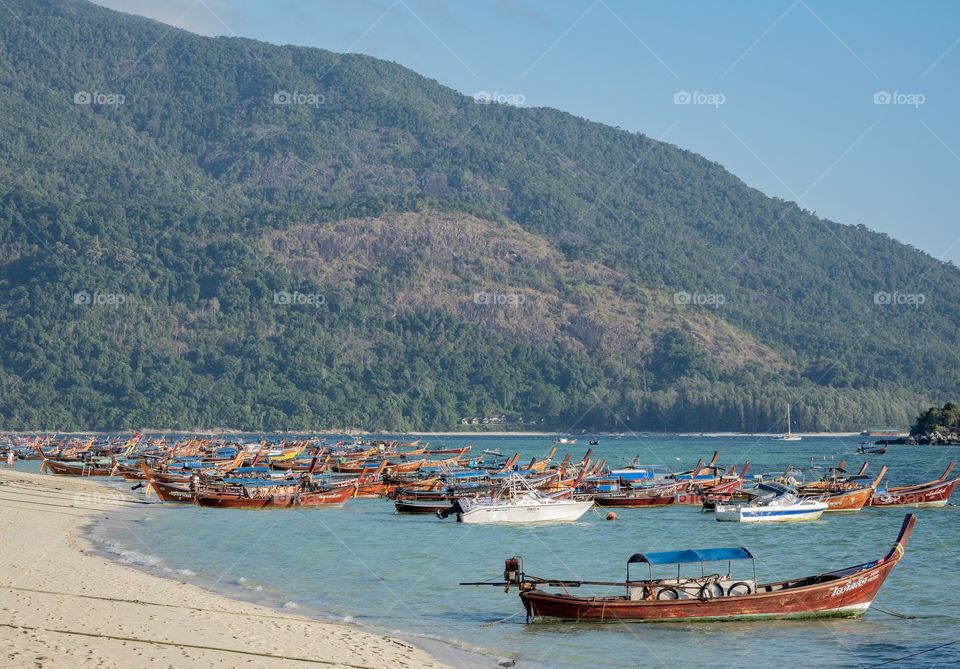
(671, 593)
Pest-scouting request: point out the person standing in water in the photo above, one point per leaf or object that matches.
(10, 458)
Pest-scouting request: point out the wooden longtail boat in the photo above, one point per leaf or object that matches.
(542, 464)
(930, 495)
(659, 495)
(371, 484)
(842, 593)
(448, 451)
(259, 496)
(402, 456)
(719, 489)
(167, 492)
(406, 466)
(851, 500)
(634, 498)
(413, 505)
(78, 468)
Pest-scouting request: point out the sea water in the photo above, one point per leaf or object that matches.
(367, 565)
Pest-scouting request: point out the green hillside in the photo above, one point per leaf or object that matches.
(200, 232)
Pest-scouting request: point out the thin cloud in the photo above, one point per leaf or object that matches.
(210, 18)
(520, 9)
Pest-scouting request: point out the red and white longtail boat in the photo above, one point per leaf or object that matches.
(930, 495)
(842, 593)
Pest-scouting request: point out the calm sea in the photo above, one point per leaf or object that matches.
(367, 565)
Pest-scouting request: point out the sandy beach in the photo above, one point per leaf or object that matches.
(61, 605)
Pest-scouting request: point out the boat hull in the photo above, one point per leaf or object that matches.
(745, 514)
(633, 501)
(849, 502)
(533, 513)
(933, 496)
(171, 492)
(421, 506)
(65, 469)
(334, 497)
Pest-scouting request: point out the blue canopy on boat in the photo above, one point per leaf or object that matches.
(699, 555)
(469, 474)
(259, 482)
(506, 475)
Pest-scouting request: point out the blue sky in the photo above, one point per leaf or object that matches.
(782, 92)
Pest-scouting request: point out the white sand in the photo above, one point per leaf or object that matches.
(63, 606)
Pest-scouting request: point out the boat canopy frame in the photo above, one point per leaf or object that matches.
(690, 556)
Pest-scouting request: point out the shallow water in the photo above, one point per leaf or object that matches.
(367, 564)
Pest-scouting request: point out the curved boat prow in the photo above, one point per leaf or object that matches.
(148, 475)
(876, 481)
(900, 545)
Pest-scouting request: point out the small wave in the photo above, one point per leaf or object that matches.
(244, 582)
(186, 572)
(133, 557)
(291, 605)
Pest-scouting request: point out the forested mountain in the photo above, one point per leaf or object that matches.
(200, 232)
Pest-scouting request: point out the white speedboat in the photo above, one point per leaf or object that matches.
(518, 502)
(777, 504)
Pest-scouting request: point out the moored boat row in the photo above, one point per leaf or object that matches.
(420, 480)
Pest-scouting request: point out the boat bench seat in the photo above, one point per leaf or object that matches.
(813, 580)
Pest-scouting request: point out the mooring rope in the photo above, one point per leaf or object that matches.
(907, 657)
(502, 620)
(170, 606)
(174, 644)
(903, 616)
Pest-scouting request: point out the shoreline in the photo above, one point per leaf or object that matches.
(462, 433)
(65, 604)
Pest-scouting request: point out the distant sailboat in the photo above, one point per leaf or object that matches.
(789, 436)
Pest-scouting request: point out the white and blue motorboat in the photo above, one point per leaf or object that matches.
(775, 504)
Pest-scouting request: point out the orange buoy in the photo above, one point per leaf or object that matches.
(612, 515)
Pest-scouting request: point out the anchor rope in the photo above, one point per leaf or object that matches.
(502, 620)
(903, 616)
(907, 657)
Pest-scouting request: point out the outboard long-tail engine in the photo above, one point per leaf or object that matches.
(451, 510)
(512, 572)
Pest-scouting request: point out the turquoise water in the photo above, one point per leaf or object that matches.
(366, 564)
